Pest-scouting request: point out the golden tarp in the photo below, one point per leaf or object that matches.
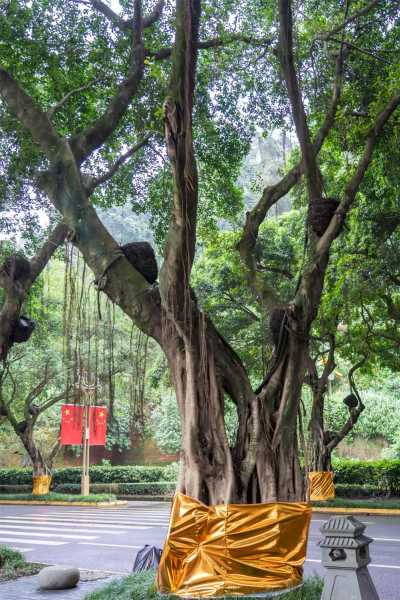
(321, 485)
(41, 485)
(233, 549)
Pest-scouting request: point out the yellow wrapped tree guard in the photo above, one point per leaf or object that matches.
(41, 485)
(321, 485)
(234, 549)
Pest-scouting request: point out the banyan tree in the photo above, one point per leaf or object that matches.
(67, 112)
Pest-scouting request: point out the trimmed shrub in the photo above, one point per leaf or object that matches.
(381, 474)
(98, 474)
(381, 477)
(157, 488)
(16, 489)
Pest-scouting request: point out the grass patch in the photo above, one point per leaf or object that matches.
(61, 497)
(13, 565)
(364, 503)
(141, 587)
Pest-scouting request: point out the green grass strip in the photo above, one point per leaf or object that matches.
(61, 497)
(141, 587)
(364, 503)
(13, 564)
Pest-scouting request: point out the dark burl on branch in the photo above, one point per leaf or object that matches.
(351, 401)
(23, 329)
(141, 256)
(321, 213)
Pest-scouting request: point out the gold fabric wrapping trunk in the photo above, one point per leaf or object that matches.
(321, 485)
(234, 549)
(41, 485)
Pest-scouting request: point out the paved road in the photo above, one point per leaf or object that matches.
(108, 539)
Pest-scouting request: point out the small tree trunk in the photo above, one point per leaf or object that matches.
(39, 464)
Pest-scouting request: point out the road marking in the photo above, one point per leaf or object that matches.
(111, 545)
(74, 524)
(84, 520)
(313, 560)
(38, 534)
(46, 528)
(106, 517)
(39, 542)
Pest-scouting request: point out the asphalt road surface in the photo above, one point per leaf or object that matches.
(108, 539)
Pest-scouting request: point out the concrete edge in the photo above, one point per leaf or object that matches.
(63, 503)
(385, 512)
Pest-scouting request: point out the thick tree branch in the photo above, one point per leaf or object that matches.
(29, 115)
(178, 107)
(41, 259)
(217, 42)
(272, 194)
(127, 24)
(94, 136)
(352, 187)
(16, 290)
(312, 172)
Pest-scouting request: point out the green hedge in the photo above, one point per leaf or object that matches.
(157, 488)
(379, 477)
(98, 474)
(384, 475)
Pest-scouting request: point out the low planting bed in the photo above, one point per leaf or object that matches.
(13, 565)
(141, 587)
(52, 497)
(353, 479)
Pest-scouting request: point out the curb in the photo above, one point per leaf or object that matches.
(384, 512)
(62, 503)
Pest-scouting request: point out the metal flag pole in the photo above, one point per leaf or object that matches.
(87, 390)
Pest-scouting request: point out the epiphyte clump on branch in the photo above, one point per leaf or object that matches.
(141, 256)
(350, 401)
(321, 213)
(23, 329)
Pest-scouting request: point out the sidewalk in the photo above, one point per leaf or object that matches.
(25, 588)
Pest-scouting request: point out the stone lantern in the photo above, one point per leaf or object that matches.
(345, 555)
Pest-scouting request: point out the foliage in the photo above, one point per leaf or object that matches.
(153, 488)
(166, 423)
(13, 564)
(53, 497)
(378, 503)
(382, 474)
(141, 587)
(98, 474)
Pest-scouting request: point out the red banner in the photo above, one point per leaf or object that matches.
(97, 425)
(71, 424)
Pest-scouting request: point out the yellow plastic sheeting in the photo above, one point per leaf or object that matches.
(321, 485)
(41, 485)
(234, 549)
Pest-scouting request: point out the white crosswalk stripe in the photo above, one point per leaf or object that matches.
(38, 542)
(49, 535)
(45, 528)
(108, 528)
(75, 523)
(106, 515)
